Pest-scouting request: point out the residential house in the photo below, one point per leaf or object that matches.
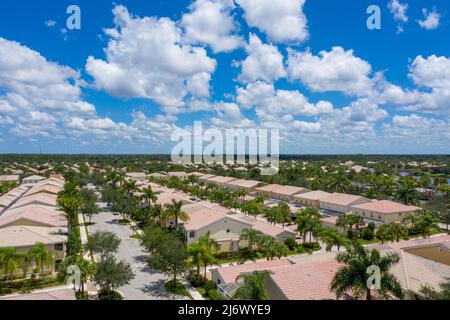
(33, 179)
(383, 211)
(341, 202)
(24, 238)
(311, 199)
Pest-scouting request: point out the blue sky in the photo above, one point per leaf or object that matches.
(139, 70)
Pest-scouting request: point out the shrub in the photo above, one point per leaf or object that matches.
(196, 280)
(367, 234)
(214, 295)
(210, 285)
(291, 243)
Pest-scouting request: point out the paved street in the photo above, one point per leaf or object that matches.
(147, 285)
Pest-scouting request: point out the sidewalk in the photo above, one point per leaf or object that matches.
(91, 287)
(192, 291)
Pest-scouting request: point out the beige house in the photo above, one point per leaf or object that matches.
(205, 178)
(228, 279)
(341, 202)
(204, 218)
(9, 178)
(384, 211)
(439, 252)
(24, 238)
(311, 199)
(33, 179)
(220, 181)
(248, 185)
(141, 176)
(34, 215)
(276, 191)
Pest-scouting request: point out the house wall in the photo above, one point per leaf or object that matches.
(384, 217)
(273, 291)
(341, 208)
(435, 253)
(226, 231)
(307, 202)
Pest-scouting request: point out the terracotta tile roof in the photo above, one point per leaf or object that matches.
(342, 199)
(39, 198)
(313, 195)
(200, 216)
(264, 227)
(33, 178)
(52, 189)
(385, 206)
(306, 281)
(167, 197)
(229, 274)
(45, 294)
(9, 177)
(289, 190)
(268, 188)
(220, 179)
(38, 214)
(207, 176)
(242, 183)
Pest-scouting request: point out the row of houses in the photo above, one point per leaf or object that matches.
(29, 215)
(383, 211)
(309, 277)
(224, 225)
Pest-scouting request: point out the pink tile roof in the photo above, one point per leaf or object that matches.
(45, 294)
(264, 227)
(268, 188)
(309, 281)
(220, 179)
(10, 177)
(242, 183)
(330, 220)
(44, 188)
(342, 199)
(385, 206)
(167, 197)
(41, 198)
(37, 214)
(178, 174)
(289, 190)
(229, 274)
(200, 216)
(207, 176)
(313, 195)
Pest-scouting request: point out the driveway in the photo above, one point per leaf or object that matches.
(148, 284)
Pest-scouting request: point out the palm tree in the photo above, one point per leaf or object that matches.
(173, 211)
(428, 293)
(9, 261)
(158, 212)
(41, 256)
(284, 213)
(149, 195)
(333, 238)
(405, 191)
(253, 287)
(252, 236)
(71, 207)
(427, 221)
(130, 187)
(211, 247)
(114, 178)
(196, 251)
(354, 276)
(396, 230)
(339, 183)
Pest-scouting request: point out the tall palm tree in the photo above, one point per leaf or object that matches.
(114, 178)
(173, 211)
(405, 191)
(158, 212)
(9, 261)
(149, 195)
(253, 287)
(252, 236)
(353, 276)
(41, 256)
(196, 251)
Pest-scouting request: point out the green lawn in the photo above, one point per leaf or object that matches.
(178, 289)
(7, 287)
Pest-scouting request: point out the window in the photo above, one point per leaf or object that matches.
(58, 246)
(228, 230)
(192, 234)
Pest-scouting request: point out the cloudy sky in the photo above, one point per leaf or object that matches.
(139, 70)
